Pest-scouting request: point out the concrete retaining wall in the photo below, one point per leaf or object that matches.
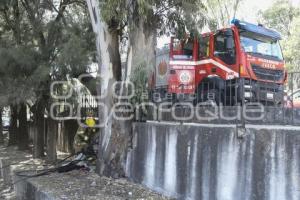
(210, 162)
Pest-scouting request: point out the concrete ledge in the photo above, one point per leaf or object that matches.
(75, 185)
(78, 185)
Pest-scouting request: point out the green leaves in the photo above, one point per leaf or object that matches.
(73, 58)
(37, 41)
(167, 16)
(19, 74)
(139, 79)
(280, 16)
(285, 18)
(291, 46)
(114, 10)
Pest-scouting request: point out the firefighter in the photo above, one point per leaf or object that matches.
(85, 134)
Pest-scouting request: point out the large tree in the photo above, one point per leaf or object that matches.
(280, 16)
(137, 24)
(284, 17)
(1, 126)
(291, 47)
(51, 39)
(18, 79)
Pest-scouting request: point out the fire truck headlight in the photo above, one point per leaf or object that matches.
(185, 77)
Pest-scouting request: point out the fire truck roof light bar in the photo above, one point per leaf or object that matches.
(258, 29)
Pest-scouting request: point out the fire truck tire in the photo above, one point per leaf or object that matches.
(210, 90)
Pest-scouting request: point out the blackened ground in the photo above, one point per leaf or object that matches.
(75, 185)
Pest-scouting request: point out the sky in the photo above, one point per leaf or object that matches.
(249, 8)
(248, 11)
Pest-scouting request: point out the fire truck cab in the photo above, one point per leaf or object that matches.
(243, 62)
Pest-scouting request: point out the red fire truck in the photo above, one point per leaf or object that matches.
(240, 63)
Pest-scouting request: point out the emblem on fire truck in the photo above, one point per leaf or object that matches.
(185, 77)
(162, 68)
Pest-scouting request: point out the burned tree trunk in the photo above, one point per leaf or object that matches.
(39, 133)
(1, 127)
(66, 135)
(13, 128)
(23, 128)
(60, 139)
(51, 140)
(70, 129)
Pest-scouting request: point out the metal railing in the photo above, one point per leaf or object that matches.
(233, 102)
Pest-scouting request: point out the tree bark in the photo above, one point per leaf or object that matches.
(142, 46)
(59, 144)
(13, 128)
(70, 129)
(23, 140)
(1, 127)
(39, 133)
(113, 135)
(66, 135)
(51, 140)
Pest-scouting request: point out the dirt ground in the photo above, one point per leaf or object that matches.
(6, 192)
(7, 154)
(75, 185)
(80, 185)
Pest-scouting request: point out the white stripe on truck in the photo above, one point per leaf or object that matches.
(202, 62)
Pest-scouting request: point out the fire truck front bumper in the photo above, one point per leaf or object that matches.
(184, 97)
(257, 91)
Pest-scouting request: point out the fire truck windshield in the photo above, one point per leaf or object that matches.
(254, 44)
